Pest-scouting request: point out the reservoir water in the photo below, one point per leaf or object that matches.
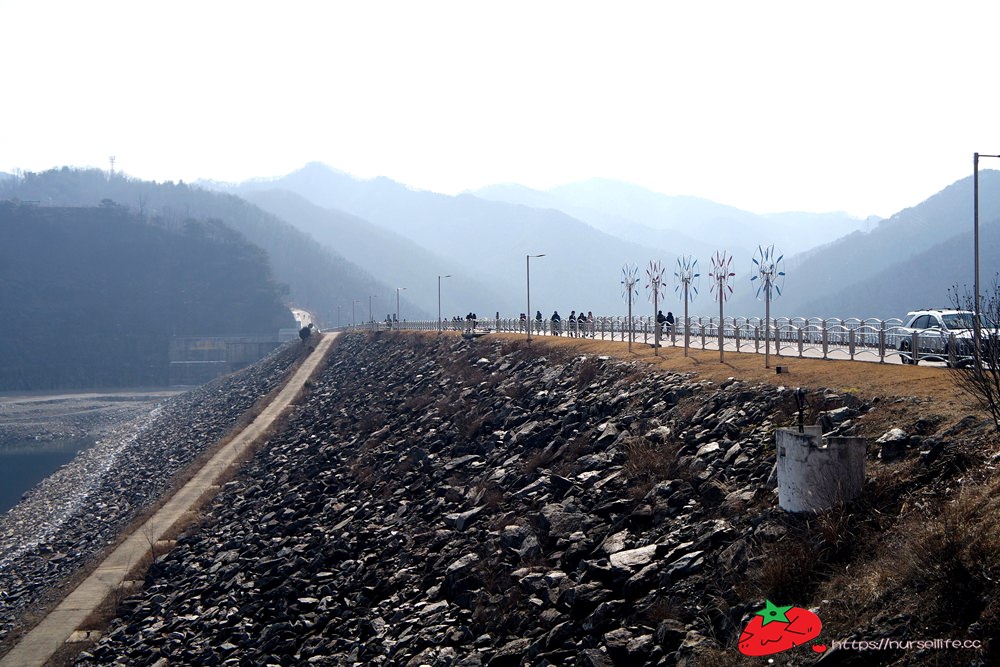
(25, 463)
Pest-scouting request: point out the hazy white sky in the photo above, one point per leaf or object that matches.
(866, 106)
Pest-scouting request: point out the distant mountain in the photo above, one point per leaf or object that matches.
(922, 280)
(614, 223)
(317, 278)
(93, 296)
(395, 259)
(909, 261)
(686, 225)
(488, 239)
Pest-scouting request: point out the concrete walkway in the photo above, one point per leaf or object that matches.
(36, 647)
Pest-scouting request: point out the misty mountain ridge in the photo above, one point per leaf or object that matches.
(396, 259)
(685, 224)
(847, 251)
(490, 240)
(93, 296)
(317, 278)
(407, 237)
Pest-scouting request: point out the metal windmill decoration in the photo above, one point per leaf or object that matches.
(768, 276)
(630, 289)
(686, 285)
(722, 286)
(656, 285)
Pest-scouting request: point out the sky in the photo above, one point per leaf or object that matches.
(866, 106)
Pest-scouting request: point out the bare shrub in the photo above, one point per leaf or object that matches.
(648, 463)
(980, 379)
(539, 459)
(418, 402)
(517, 390)
(587, 372)
(789, 570)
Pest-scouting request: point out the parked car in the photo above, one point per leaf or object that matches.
(941, 334)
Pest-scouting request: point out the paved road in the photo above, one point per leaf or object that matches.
(36, 647)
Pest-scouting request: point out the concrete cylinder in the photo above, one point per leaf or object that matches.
(815, 474)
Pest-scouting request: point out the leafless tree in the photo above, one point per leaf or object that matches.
(981, 378)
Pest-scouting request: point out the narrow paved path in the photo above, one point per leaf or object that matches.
(36, 647)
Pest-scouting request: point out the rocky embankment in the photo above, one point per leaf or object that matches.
(80, 509)
(41, 418)
(446, 502)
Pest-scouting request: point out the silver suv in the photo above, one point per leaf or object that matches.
(937, 334)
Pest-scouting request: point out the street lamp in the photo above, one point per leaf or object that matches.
(398, 320)
(527, 262)
(977, 334)
(353, 303)
(371, 318)
(439, 299)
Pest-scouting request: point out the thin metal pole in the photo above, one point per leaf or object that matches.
(656, 318)
(767, 325)
(722, 298)
(975, 262)
(687, 323)
(439, 299)
(527, 270)
(631, 329)
(976, 332)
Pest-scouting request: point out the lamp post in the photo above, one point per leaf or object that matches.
(527, 262)
(371, 317)
(439, 298)
(977, 334)
(353, 320)
(398, 320)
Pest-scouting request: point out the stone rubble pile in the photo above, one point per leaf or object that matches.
(447, 502)
(79, 510)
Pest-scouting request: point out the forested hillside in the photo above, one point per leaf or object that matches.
(396, 259)
(317, 278)
(92, 296)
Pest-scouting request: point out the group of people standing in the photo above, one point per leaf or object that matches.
(576, 325)
(665, 322)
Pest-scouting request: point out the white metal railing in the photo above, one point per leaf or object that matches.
(851, 338)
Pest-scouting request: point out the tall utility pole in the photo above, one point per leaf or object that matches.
(112, 161)
(439, 300)
(976, 325)
(398, 318)
(527, 261)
